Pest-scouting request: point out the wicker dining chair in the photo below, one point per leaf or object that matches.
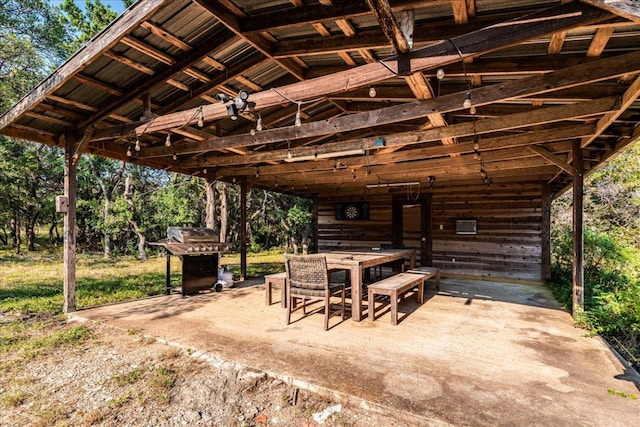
(308, 280)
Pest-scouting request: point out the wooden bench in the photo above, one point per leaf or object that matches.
(278, 279)
(395, 287)
(428, 273)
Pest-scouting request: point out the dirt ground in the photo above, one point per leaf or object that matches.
(124, 378)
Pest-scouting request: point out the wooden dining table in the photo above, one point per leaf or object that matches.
(356, 261)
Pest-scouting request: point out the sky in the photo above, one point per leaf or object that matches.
(116, 5)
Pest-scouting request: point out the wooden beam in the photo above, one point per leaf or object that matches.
(29, 134)
(148, 50)
(69, 243)
(165, 35)
(628, 98)
(311, 14)
(129, 62)
(244, 189)
(478, 42)
(48, 118)
(599, 41)
(556, 43)
(578, 232)
(629, 9)
(71, 102)
(89, 81)
(382, 10)
(460, 13)
(545, 234)
(568, 77)
(203, 49)
(552, 158)
(256, 40)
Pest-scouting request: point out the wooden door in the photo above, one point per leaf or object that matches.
(411, 224)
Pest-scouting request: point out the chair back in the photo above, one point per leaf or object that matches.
(307, 272)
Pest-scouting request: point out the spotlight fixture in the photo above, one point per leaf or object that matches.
(167, 141)
(241, 100)
(372, 92)
(467, 100)
(259, 123)
(223, 98)
(232, 111)
(440, 74)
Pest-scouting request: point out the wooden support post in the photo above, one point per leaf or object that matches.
(315, 224)
(545, 233)
(578, 234)
(243, 228)
(69, 250)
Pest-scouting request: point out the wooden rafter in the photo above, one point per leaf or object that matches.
(552, 158)
(256, 40)
(486, 40)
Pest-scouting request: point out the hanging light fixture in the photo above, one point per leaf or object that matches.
(167, 142)
(129, 151)
(201, 118)
(440, 74)
(137, 146)
(372, 92)
(467, 100)
(175, 156)
(298, 120)
(259, 123)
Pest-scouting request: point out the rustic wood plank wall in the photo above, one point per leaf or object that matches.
(508, 243)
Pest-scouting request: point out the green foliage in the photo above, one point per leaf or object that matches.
(84, 25)
(612, 288)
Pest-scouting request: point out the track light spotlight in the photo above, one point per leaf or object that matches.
(223, 98)
(232, 111)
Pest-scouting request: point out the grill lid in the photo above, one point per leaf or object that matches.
(191, 234)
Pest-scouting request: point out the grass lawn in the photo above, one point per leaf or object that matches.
(31, 283)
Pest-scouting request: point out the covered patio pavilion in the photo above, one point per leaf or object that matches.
(407, 122)
(476, 353)
(443, 126)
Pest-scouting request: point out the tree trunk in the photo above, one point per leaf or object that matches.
(105, 218)
(210, 206)
(223, 212)
(15, 233)
(142, 239)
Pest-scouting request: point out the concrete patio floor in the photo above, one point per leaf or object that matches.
(476, 353)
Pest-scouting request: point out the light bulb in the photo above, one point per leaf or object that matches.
(201, 119)
(257, 173)
(289, 155)
(137, 147)
(167, 141)
(298, 121)
(175, 156)
(252, 131)
(440, 74)
(372, 92)
(259, 124)
(204, 171)
(472, 109)
(476, 145)
(129, 151)
(467, 100)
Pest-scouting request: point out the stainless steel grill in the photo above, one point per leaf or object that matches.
(199, 251)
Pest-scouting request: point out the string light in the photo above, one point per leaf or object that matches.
(167, 141)
(372, 92)
(252, 131)
(467, 100)
(204, 171)
(129, 151)
(201, 118)
(137, 147)
(440, 74)
(175, 156)
(298, 120)
(257, 173)
(259, 123)
(472, 109)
